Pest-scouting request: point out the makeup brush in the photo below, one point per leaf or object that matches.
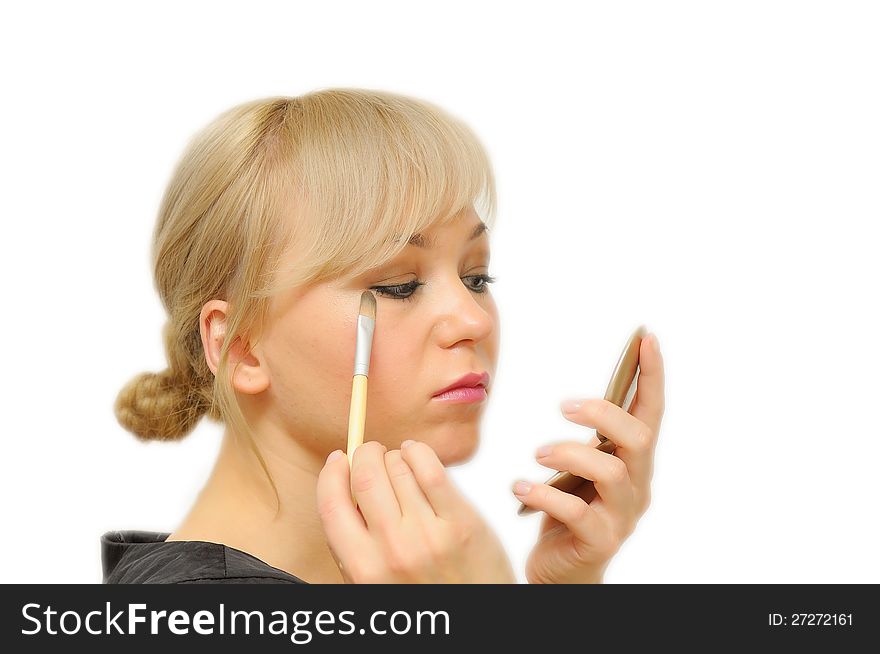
(357, 413)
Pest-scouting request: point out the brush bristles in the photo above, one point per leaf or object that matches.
(368, 305)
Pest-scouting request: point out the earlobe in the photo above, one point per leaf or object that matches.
(248, 376)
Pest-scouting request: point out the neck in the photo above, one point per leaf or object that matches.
(237, 507)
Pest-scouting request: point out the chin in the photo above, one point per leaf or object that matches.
(457, 445)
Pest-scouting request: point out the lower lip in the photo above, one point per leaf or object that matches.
(462, 395)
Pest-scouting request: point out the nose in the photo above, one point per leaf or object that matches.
(462, 313)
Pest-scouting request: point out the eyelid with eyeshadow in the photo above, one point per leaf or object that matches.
(394, 291)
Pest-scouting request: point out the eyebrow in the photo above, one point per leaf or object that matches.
(420, 241)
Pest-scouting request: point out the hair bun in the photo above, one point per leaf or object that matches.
(158, 406)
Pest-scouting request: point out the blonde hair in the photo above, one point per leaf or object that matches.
(341, 177)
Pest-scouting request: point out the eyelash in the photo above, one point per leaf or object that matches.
(396, 290)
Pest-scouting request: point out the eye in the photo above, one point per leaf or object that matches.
(483, 279)
(407, 291)
(398, 291)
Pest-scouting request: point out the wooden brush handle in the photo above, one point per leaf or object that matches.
(357, 415)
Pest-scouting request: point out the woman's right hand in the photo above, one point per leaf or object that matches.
(411, 524)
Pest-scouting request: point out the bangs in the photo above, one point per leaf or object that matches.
(370, 170)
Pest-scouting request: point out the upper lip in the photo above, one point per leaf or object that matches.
(471, 380)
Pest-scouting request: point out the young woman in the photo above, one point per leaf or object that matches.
(279, 215)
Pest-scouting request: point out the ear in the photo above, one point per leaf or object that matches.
(249, 376)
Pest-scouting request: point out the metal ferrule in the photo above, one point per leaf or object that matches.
(364, 345)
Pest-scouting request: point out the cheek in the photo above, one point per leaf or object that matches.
(399, 387)
(394, 365)
(311, 377)
(312, 380)
(494, 339)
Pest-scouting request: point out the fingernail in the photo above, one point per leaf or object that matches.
(544, 450)
(570, 406)
(521, 488)
(335, 454)
(654, 341)
(406, 443)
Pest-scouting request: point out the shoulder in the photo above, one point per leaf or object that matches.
(144, 557)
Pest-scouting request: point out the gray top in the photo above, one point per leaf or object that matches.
(143, 557)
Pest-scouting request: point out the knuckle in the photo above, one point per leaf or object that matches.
(542, 493)
(385, 530)
(328, 508)
(463, 531)
(361, 573)
(645, 438)
(577, 509)
(398, 566)
(598, 408)
(434, 477)
(616, 469)
(396, 466)
(374, 575)
(363, 479)
(440, 544)
(402, 560)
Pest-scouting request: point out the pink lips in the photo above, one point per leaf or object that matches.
(470, 388)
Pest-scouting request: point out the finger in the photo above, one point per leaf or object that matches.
(409, 494)
(434, 481)
(649, 402)
(372, 488)
(580, 518)
(610, 420)
(344, 528)
(609, 473)
(634, 439)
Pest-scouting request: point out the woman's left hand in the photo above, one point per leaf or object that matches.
(581, 532)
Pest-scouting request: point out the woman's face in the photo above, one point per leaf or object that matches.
(447, 328)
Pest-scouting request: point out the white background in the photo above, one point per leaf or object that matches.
(708, 169)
